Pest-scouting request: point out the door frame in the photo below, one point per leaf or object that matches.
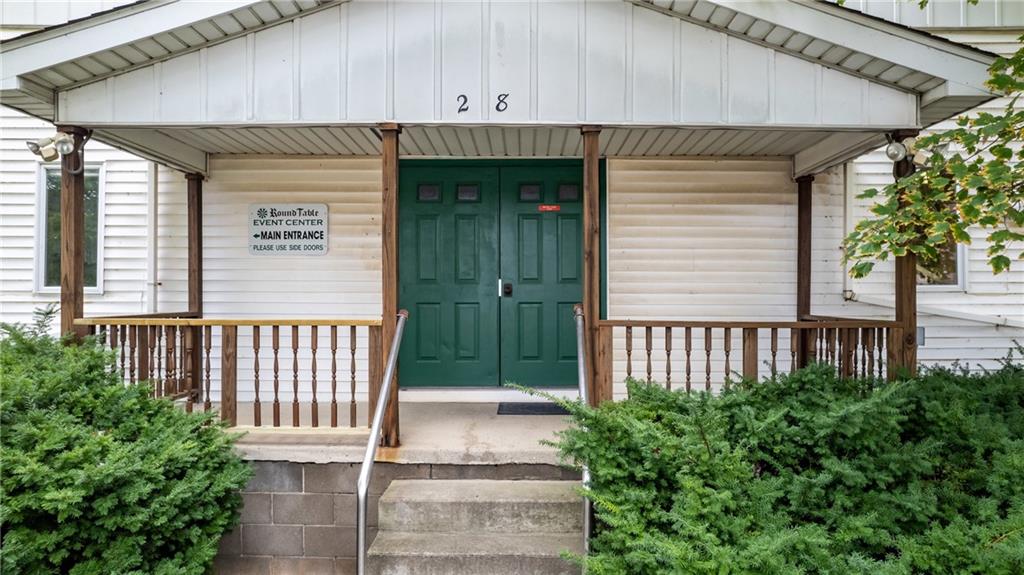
(404, 163)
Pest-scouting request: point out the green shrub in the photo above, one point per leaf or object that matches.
(98, 477)
(809, 474)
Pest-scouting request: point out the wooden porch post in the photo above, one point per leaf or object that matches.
(193, 339)
(72, 236)
(389, 276)
(805, 345)
(598, 341)
(906, 282)
(195, 242)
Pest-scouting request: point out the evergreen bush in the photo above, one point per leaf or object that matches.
(808, 473)
(99, 477)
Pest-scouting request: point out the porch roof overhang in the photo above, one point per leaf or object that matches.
(175, 81)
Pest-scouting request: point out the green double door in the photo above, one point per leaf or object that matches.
(490, 263)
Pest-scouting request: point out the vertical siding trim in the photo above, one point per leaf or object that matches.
(295, 109)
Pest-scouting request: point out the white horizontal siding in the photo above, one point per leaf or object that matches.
(489, 63)
(983, 292)
(124, 232)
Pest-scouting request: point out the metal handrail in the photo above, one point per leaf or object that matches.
(366, 470)
(581, 376)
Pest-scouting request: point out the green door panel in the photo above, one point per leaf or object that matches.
(542, 258)
(448, 269)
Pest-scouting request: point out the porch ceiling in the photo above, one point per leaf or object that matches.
(486, 141)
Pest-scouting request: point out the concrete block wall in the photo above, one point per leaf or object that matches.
(300, 518)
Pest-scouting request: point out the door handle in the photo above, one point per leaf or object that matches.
(506, 289)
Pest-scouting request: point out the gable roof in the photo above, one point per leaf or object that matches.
(825, 81)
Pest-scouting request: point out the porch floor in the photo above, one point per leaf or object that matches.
(435, 433)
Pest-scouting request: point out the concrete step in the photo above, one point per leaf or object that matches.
(481, 506)
(405, 553)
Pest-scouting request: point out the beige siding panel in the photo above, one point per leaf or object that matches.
(699, 239)
(344, 283)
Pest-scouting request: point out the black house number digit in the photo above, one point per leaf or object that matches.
(502, 104)
(463, 103)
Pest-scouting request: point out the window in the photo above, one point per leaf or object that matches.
(49, 228)
(428, 193)
(946, 271)
(467, 193)
(529, 192)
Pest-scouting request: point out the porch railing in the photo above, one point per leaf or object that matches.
(279, 372)
(705, 355)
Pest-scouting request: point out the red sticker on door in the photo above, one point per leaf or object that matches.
(549, 208)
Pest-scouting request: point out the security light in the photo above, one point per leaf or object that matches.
(895, 151)
(62, 144)
(65, 143)
(44, 148)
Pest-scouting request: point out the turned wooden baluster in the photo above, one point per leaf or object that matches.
(295, 376)
(794, 346)
(832, 346)
(314, 408)
(207, 371)
(629, 352)
(707, 358)
(171, 383)
(648, 344)
(132, 338)
(688, 346)
(668, 358)
(334, 376)
(854, 343)
(775, 349)
(160, 386)
(728, 349)
(183, 383)
(819, 336)
(122, 336)
(257, 407)
(276, 344)
(352, 375)
(868, 365)
(880, 338)
(863, 352)
(192, 381)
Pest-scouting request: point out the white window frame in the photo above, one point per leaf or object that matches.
(961, 275)
(40, 232)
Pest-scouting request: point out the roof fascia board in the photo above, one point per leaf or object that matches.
(951, 89)
(88, 36)
(902, 46)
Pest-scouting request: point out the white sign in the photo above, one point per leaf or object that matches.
(287, 229)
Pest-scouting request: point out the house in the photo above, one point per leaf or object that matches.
(267, 183)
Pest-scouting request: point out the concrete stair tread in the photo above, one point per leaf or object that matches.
(472, 490)
(417, 544)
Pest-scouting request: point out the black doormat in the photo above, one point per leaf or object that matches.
(527, 408)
